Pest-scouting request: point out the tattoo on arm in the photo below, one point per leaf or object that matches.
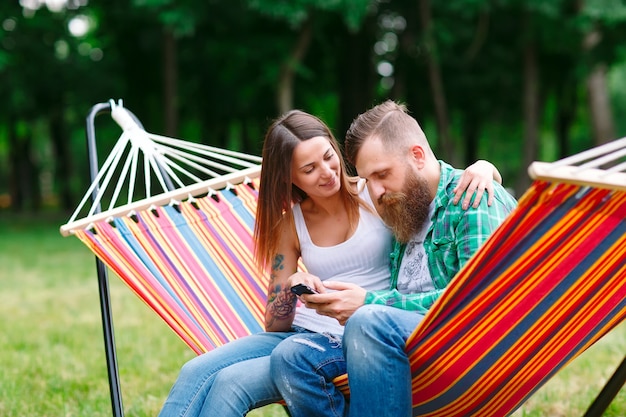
(281, 303)
(277, 265)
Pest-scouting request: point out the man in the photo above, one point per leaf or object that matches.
(413, 194)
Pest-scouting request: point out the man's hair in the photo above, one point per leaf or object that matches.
(390, 123)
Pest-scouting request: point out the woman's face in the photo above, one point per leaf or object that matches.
(315, 167)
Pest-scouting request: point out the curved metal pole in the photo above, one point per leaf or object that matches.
(103, 279)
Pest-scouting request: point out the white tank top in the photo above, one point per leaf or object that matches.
(363, 259)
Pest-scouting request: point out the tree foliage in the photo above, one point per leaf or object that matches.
(505, 80)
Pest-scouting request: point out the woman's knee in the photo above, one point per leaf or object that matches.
(244, 374)
(285, 356)
(194, 367)
(305, 352)
(228, 379)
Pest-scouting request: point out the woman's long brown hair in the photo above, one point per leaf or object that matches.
(277, 193)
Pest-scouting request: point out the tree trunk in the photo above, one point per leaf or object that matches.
(62, 159)
(567, 103)
(436, 84)
(15, 189)
(24, 173)
(288, 70)
(404, 64)
(600, 105)
(356, 74)
(471, 138)
(530, 108)
(597, 93)
(170, 83)
(31, 173)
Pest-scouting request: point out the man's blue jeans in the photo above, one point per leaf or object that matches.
(378, 367)
(233, 379)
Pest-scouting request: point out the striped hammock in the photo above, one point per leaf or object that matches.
(549, 282)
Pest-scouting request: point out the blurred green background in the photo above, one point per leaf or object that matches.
(511, 81)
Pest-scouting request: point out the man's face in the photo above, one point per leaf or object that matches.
(400, 194)
(383, 170)
(406, 211)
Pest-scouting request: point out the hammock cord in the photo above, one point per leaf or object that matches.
(101, 173)
(168, 164)
(608, 148)
(130, 161)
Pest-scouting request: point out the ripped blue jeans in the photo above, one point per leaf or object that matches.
(235, 378)
(303, 367)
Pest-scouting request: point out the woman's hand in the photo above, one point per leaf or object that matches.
(477, 178)
(307, 279)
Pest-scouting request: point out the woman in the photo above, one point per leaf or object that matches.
(308, 209)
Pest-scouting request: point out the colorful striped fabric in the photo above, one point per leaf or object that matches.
(192, 263)
(548, 284)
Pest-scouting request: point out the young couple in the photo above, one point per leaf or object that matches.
(372, 289)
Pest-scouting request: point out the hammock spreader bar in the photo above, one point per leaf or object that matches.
(547, 284)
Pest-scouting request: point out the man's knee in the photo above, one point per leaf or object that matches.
(366, 319)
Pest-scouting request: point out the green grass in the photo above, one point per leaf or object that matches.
(52, 356)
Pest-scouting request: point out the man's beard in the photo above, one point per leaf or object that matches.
(406, 211)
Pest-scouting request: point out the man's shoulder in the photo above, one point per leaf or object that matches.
(448, 179)
(451, 176)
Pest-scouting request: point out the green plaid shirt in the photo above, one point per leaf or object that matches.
(453, 237)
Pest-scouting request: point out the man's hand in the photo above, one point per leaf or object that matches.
(340, 303)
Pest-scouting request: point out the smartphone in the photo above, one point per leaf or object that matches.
(302, 289)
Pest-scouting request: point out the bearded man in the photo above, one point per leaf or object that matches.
(413, 193)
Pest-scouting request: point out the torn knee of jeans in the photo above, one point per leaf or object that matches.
(334, 340)
(308, 342)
